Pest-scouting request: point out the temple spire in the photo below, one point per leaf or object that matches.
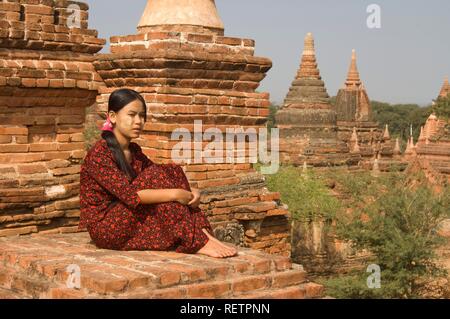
(422, 136)
(353, 80)
(308, 68)
(445, 90)
(308, 89)
(386, 135)
(430, 127)
(410, 146)
(198, 16)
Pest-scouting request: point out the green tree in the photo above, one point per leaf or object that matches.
(399, 117)
(306, 194)
(442, 107)
(398, 225)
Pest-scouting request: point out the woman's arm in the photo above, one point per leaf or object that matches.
(156, 196)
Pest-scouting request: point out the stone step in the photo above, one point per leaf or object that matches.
(234, 287)
(37, 267)
(289, 284)
(308, 290)
(21, 285)
(101, 283)
(9, 294)
(116, 273)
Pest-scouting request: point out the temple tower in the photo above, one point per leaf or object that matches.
(445, 90)
(307, 120)
(354, 112)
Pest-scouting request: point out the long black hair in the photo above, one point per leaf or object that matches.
(117, 101)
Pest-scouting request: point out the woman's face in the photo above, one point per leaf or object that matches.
(129, 121)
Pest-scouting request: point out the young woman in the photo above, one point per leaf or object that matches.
(130, 203)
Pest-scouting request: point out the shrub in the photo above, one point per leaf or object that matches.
(399, 226)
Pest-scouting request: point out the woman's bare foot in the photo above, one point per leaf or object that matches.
(227, 247)
(215, 248)
(211, 249)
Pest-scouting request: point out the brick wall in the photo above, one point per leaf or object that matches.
(46, 81)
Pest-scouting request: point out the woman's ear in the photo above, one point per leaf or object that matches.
(112, 117)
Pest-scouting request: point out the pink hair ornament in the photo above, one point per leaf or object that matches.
(107, 126)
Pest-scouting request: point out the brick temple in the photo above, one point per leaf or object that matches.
(356, 126)
(445, 90)
(187, 70)
(432, 151)
(47, 79)
(307, 119)
(313, 131)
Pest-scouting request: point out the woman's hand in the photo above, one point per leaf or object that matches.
(183, 197)
(196, 200)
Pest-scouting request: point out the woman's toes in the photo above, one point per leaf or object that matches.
(218, 248)
(221, 253)
(227, 252)
(229, 248)
(233, 252)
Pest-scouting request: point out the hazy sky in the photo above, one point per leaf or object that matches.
(404, 61)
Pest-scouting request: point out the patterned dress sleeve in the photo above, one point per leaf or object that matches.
(146, 162)
(105, 172)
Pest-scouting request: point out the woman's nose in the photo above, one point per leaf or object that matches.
(138, 120)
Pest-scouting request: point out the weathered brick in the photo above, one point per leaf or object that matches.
(288, 278)
(66, 293)
(31, 169)
(208, 290)
(14, 148)
(102, 283)
(313, 290)
(249, 283)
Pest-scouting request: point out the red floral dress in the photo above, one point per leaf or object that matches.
(115, 218)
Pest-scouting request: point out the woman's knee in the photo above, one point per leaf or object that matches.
(174, 207)
(152, 177)
(161, 176)
(171, 212)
